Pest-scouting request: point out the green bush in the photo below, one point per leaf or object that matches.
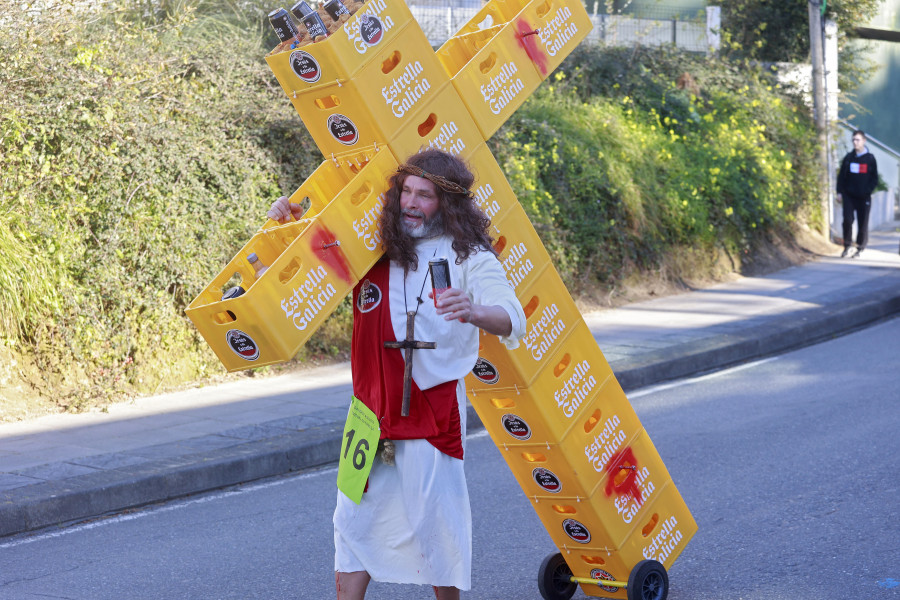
(631, 155)
(138, 157)
(141, 148)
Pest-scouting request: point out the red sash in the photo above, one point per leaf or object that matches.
(378, 373)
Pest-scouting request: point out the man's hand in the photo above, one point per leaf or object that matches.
(454, 303)
(839, 198)
(283, 210)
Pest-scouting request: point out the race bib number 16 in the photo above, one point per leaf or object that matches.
(358, 447)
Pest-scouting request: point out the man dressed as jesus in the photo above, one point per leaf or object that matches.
(413, 524)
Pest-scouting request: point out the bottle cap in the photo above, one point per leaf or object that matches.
(252, 257)
(301, 10)
(233, 292)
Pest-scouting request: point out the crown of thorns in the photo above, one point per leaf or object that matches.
(442, 182)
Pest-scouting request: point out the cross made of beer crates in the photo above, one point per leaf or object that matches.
(371, 94)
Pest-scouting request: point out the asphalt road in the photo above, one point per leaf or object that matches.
(791, 467)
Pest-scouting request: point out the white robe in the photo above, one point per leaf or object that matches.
(414, 523)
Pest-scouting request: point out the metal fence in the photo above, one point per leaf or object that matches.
(698, 32)
(650, 24)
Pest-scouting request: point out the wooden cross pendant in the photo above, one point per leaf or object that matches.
(408, 345)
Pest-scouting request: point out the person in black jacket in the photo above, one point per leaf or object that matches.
(855, 183)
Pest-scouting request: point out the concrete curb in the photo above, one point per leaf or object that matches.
(54, 503)
(792, 331)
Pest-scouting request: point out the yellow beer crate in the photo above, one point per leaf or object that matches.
(632, 493)
(493, 13)
(444, 123)
(632, 485)
(313, 263)
(578, 468)
(622, 512)
(332, 177)
(574, 521)
(347, 193)
(280, 310)
(561, 25)
(338, 57)
(661, 535)
(575, 391)
(611, 436)
(351, 217)
(492, 191)
(378, 101)
(492, 73)
(551, 315)
(571, 522)
(522, 252)
(663, 531)
(541, 468)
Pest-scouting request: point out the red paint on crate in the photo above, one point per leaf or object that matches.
(323, 243)
(619, 462)
(528, 39)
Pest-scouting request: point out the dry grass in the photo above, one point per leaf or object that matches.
(686, 270)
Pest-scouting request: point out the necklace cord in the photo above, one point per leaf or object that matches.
(419, 297)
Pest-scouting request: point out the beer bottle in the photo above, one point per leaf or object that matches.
(335, 9)
(284, 26)
(257, 264)
(315, 27)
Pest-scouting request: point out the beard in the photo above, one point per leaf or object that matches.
(428, 228)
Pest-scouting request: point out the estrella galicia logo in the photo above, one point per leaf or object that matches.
(576, 531)
(342, 129)
(242, 344)
(371, 29)
(547, 480)
(305, 67)
(485, 372)
(516, 426)
(369, 297)
(601, 574)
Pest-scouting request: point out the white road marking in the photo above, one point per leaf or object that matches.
(174, 505)
(177, 505)
(688, 381)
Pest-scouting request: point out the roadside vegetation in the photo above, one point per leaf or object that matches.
(139, 151)
(779, 32)
(638, 162)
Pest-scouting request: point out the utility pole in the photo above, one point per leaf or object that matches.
(817, 57)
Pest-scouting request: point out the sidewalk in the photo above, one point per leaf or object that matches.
(61, 468)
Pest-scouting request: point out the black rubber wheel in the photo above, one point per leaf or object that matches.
(648, 581)
(553, 578)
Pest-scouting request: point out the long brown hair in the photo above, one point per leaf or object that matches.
(463, 220)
